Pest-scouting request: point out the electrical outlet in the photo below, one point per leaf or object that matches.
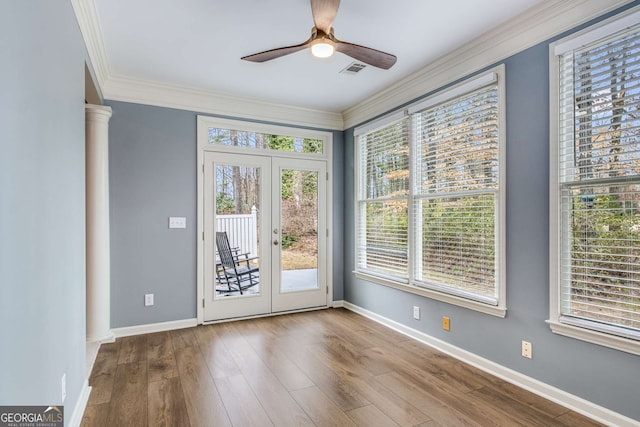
(416, 312)
(446, 325)
(63, 387)
(527, 349)
(148, 300)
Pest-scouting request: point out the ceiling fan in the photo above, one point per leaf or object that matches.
(323, 43)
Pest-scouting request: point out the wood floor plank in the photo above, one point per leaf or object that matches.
(431, 406)
(363, 334)
(473, 407)
(324, 378)
(525, 397)
(160, 369)
(95, 415)
(204, 405)
(343, 352)
(159, 346)
(399, 410)
(419, 366)
(242, 405)
(432, 360)
(370, 416)
(519, 413)
(132, 349)
(103, 374)
(282, 409)
(573, 419)
(128, 406)
(322, 410)
(182, 338)
(384, 332)
(166, 404)
(216, 354)
(277, 360)
(431, 423)
(161, 361)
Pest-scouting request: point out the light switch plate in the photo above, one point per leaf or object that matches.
(177, 222)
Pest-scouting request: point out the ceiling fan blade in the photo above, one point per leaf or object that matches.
(275, 53)
(367, 55)
(324, 12)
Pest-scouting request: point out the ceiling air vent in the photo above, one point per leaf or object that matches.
(354, 68)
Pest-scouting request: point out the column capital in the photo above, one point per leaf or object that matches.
(97, 112)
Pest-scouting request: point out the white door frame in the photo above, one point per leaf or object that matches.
(203, 145)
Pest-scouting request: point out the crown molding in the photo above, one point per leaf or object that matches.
(203, 101)
(164, 95)
(87, 17)
(540, 23)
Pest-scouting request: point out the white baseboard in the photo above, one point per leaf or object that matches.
(81, 404)
(338, 304)
(570, 401)
(154, 327)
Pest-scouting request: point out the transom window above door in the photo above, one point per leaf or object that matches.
(235, 135)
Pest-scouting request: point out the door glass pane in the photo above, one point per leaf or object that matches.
(237, 231)
(299, 219)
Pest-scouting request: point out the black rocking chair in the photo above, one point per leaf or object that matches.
(234, 270)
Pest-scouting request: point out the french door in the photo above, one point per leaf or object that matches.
(272, 213)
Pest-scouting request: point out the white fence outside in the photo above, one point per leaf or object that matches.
(242, 231)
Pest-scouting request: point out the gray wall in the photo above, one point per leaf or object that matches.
(153, 171)
(607, 377)
(42, 214)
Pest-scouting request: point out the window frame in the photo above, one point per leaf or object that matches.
(584, 330)
(476, 82)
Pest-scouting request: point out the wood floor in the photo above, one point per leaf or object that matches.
(324, 368)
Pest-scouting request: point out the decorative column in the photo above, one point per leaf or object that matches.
(97, 219)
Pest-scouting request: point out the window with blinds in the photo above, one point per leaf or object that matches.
(428, 184)
(383, 215)
(598, 161)
(456, 194)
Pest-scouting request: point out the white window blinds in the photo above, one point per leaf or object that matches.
(428, 187)
(599, 184)
(456, 196)
(383, 218)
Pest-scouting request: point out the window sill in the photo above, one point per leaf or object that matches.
(595, 337)
(497, 311)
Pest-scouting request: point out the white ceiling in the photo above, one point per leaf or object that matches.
(198, 43)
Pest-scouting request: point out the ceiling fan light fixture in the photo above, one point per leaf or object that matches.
(322, 47)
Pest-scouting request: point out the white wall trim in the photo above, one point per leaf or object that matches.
(570, 401)
(338, 304)
(87, 17)
(203, 101)
(538, 24)
(80, 406)
(128, 331)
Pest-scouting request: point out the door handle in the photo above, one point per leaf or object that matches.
(275, 243)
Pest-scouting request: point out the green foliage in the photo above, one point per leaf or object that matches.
(606, 229)
(280, 143)
(224, 204)
(283, 143)
(288, 239)
(311, 146)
